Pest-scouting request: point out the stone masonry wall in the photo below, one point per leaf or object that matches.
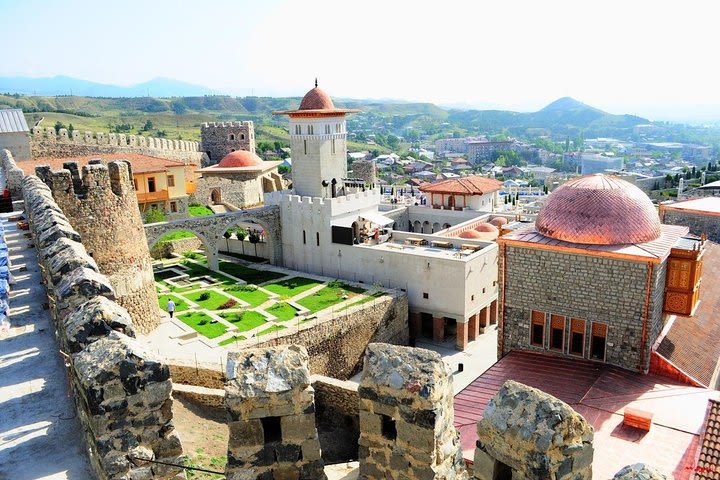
(239, 190)
(13, 173)
(591, 288)
(102, 205)
(46, 143)
(367, 170)
(337, 345)
(534, 435)
(271, 406)
(221, 138)
(406, 416)
(122, 392)
(698, 223)
(167, 248)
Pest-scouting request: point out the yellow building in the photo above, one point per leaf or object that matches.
(160, 183)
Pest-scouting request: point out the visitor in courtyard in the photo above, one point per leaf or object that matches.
(170, 307)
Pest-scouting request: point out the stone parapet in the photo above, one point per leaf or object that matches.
(122, 392)
(271, 406)
(406, 416)
(640, 471)
(13, 173)
(526, 433)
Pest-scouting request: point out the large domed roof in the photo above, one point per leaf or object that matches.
(240, 158)
(471, 234)
(317, 99)
(599, 210)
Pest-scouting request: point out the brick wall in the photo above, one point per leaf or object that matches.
(698, 223)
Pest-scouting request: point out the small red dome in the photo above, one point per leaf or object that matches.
(486, 227)
(599, 210)
(317, 99)
(471, 234)
(499, 221)
(240, 158)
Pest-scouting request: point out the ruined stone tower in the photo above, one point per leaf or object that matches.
(102, 206)
(222, 138)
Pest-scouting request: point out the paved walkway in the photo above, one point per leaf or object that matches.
(40, 436)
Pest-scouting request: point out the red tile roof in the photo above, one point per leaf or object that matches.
(708, 465)
(472, 185)
(140, 163)
(656, 250)
(316, 99)
(692, 343)
(600, 393)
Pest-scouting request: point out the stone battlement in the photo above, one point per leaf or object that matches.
(334, 206)
(87, 137)
(122, 392)
(97, 179)
(207, 125)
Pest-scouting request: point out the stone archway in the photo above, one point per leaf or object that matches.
(271, 235)
(215, 196)
(210, 247)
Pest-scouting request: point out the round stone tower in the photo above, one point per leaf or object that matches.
(102, 206)
(318, 140)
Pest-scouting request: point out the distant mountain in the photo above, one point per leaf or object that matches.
(62, 85)
(565, 116)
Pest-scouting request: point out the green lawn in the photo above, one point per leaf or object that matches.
(366, 299)
(327, 297)
(212, 303)
(253, 297)
(245, 320)
(283, 311)
(180, 304)
(233, 339)
(199, 211)
(292, 286)
(274, 328)
(250, 275)
(203, 324)
(176, 236)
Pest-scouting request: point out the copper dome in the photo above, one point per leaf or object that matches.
(316, 99)
(599, 210)
(486, 227)
(240, 158)
(499, 221)
(470, 234)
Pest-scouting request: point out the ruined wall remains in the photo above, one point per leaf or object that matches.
(526, 433)
(13, 173)
(102, 205)
(221, 138)
(337, 418)
(167, 248)
(366, 170)
(271, 406)
(640, 471)
(337, 342)
(406, 416)
(47, 143)
(122, 392)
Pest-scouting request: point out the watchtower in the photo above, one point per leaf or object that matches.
(318, 139)
(102, 206)
(222, 138)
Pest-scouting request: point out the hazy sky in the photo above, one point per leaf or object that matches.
(655, 58)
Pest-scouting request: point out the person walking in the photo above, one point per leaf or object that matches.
(170, 307)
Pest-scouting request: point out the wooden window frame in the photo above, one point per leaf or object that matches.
(555, 320)
(173, 207)
(154, 185)
(171, 180)
(598, 326)
(573, 329)
(536, 320)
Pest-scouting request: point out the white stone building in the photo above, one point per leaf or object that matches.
(14, 133)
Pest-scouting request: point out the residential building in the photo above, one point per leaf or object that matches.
(14, 133)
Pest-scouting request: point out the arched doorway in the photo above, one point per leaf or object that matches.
(215, 196)
(181, 243)
(246, 240)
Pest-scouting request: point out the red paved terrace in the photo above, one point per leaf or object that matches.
(600, 393)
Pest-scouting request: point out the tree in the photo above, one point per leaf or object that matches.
(254, 238)
(241, 234)
(70, 129)
(148, 126)
(58, 126)
(154, 215)
(227, 236)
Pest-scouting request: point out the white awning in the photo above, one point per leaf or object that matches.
(343, 222)
(378, 219)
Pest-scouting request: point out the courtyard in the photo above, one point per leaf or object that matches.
(245, 301)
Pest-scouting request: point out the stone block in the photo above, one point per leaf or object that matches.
(93, 320)
(246, 433)
(370, 423)
(297, 428)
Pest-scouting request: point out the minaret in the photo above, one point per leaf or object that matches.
(318, 140)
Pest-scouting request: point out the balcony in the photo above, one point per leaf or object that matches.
(158, 196)
(190, 188)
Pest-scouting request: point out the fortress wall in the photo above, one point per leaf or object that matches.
(122, 391)
(46, 143)
(13, 173)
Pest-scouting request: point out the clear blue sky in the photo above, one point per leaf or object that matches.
(623, 56)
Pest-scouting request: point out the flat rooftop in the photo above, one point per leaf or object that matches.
(600, 393)
(429, 250)
(705, 205)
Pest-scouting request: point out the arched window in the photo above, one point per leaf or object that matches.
(242, 136)
(310, 129)
(231, 136)
(305, 146)
(327, 129)
(337, 128)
